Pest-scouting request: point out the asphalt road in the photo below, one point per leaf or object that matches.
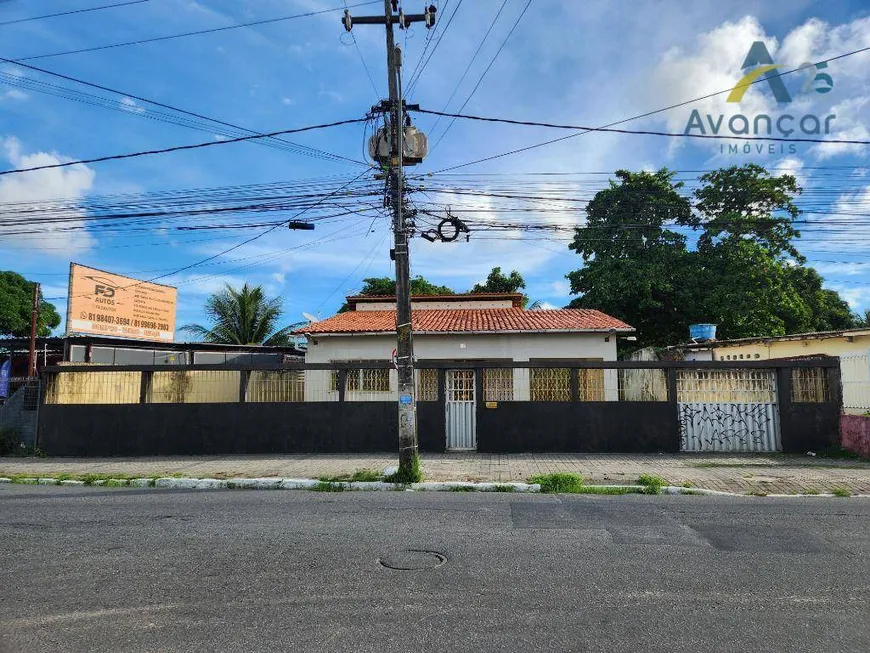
(86, 569)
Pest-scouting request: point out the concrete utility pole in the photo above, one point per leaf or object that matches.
(31, 362)
(395, 179)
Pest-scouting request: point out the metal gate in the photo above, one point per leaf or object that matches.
(728, 410)
(461, 411)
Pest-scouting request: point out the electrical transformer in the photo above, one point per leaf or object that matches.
(416, 146)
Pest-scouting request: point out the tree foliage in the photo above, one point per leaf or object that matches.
(742, 271)
(16, 308)
(497, 282)
(243, 317)
(387, 286)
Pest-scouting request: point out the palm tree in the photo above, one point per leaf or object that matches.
(243, 317)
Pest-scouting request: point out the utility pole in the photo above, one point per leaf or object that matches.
(31, 363)
(395, 178)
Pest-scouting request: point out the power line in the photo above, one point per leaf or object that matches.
(650, 113)
(194, 33)
(362, 59)
(470, 63)
(179, 148)
(642, 132)
(418, 71)
(244, 242)
(76, 11)
(486, 70)
(168, 106)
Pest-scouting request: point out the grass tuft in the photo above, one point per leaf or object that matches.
(329, 486)
(504, 488)
(558, 482)
(361, 475)
(652, 484)
(407, 475)
(462, 488)
(811, 490)
(841, 492)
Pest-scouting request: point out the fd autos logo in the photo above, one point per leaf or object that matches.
(759, 68)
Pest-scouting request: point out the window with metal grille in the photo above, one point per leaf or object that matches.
(372, 380)
(726, 386)
(498, 384)
(550, 384)
(590, 385)
(810, 385)
(427, 385)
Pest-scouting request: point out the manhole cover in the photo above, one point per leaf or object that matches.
(412, 560)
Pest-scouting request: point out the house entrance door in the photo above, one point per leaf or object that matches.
(461, 411)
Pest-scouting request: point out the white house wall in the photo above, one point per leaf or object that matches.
(519, 347)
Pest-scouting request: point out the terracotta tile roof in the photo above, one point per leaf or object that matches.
(471, 320)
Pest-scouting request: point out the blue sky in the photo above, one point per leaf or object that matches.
(592, 66)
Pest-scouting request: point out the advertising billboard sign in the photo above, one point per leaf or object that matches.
(106, 304)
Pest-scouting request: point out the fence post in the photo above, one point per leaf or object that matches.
(835, 387)
(442, 406)
(244, 376)
(145, 386)
(342, 384)
(672, 385)
(575, 383)
(478, 386)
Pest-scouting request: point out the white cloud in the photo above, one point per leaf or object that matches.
(130, 105)
(857, 298)
(287, 101)
(14, 94)
(335, 96)
(41, 187)
(848, 125)
(714, 65)
(562, 288)
(845, 269)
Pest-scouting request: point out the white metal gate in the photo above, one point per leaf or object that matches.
(728, 410)
(855, 375)
(460, 411)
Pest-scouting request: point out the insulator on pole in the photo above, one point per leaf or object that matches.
(347, 20)
(429, 15)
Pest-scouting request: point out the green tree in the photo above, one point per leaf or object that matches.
(386, 287)
(752, 272)
(243, 317)
(496, 282)
(745, 273)
(635, 267)
(16, 308)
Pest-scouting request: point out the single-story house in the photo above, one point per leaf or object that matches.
(852, 346)
(466, 327)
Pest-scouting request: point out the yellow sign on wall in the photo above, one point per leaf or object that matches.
(106, 304)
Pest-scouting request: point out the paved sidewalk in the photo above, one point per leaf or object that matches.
(770, 474)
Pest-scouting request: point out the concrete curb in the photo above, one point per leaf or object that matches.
(280, 483)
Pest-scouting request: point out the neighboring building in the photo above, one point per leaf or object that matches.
(472, 327)
(101, 350)
(852, 346)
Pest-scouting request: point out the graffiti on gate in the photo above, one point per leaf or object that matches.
(725, 426)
